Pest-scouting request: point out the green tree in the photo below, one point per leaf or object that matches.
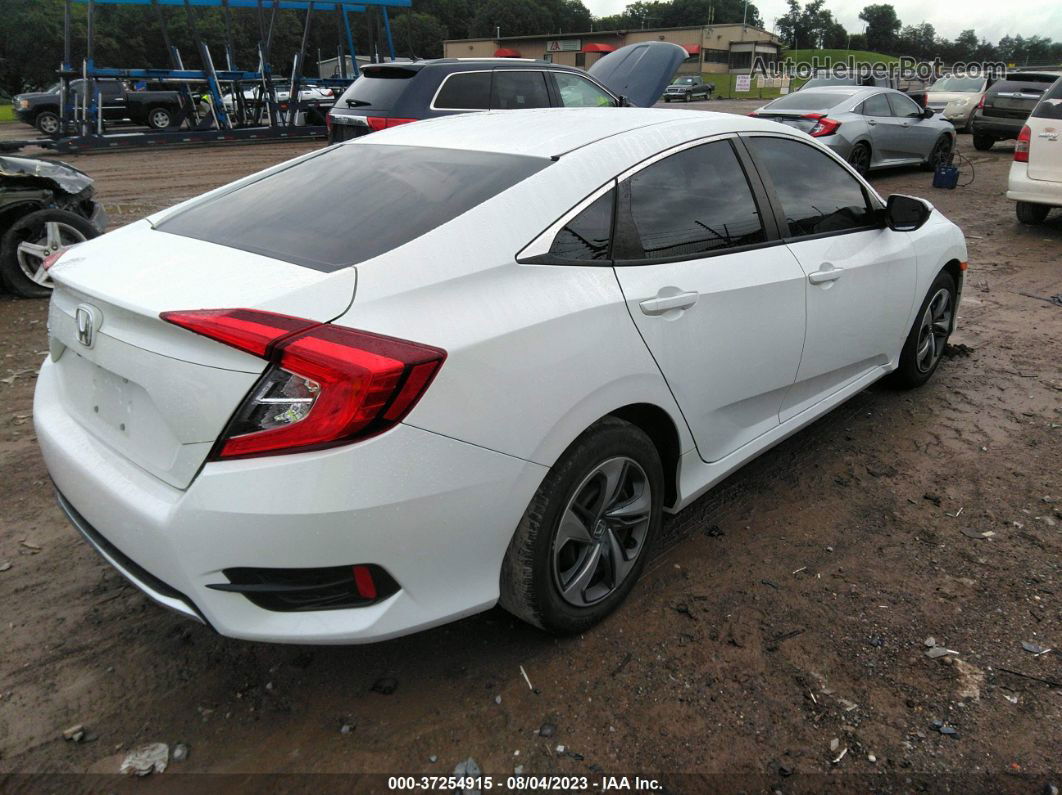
(883, 26)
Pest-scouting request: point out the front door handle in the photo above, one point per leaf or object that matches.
(871, 122)
(665, 303)
(827, 275)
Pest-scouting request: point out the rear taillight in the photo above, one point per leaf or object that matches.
(823, 125)
(377, 123)
(328, 385)
(1021, 148)
(981, 104)
(328, 122)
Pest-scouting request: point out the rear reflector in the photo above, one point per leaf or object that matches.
(377, 123)
(328, 385)
(1021, 148)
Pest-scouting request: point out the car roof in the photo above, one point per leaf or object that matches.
(461, 64)
(552, 132)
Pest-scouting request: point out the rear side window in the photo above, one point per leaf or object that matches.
(377, 88)
(586, 236)
(877, 105)
(1050, 106)
(1027, 84)
(464, 91)
(817, 194)
(516, 90)
(692, 203)
(352, 202)
(809, 100)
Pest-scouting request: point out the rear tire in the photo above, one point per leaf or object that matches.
(925, 343)
(982, 143)
(1032, 214)
(585, 538)
(859, 158)
(159, 118)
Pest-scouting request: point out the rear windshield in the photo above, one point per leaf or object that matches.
(351, 202)
(816, 82)
(809, 100)
(1050, 106)
(1029, 84)
(959, 84)
(376, 88)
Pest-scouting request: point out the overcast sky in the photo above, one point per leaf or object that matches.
(990, 18)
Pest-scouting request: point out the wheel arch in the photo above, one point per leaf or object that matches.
(659, 426)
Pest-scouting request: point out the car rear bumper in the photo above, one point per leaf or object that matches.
(1000, 128)
(1035, 191)
(436, 513)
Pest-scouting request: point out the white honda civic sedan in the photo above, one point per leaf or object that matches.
(469, 360)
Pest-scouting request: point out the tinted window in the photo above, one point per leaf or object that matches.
(1050, 106)
(959, 84)
(585, 237)
(877, 105)
(465, 91)
(351, 202)
(694, 202)
(904, 106)
(817, 194)
(817, 82)
(809, 100)
(578, 92)
(516, 90)
(376, 88)
(1027, 84)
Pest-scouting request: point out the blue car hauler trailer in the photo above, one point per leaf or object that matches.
(203, 115)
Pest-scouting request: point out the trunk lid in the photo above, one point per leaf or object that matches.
(1045, 145)
(640, 72)
(154, 393)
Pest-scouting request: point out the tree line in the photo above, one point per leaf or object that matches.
(31, 32)
(812, 26)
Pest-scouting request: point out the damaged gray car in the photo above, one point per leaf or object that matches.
(45, 207)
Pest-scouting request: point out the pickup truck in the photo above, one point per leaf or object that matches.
(156, 109)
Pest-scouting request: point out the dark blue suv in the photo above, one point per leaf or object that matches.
(390, 94)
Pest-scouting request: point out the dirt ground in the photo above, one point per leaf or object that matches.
(777, 643)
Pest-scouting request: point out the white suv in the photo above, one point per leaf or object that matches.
(1036, 173)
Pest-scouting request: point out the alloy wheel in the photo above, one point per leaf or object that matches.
(934, 330)
(48, 123)
(602, 531)
(55, 237)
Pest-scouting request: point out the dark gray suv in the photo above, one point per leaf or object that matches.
(390, 94)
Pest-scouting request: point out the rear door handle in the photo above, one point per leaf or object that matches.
(662, 304)
(871, 122)
(828, 275)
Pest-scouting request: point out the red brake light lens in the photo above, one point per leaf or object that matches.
(1021, 148)
(823, 125)
(377, 123)
(981, 104)
(328, 385)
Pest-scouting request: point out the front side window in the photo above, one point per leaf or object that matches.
(464, 91)
(904, 107)
(578, 92)
(352, 202)
(585, 237)
(518, 90)
(695, 202)
(817, 194)
(877, 105)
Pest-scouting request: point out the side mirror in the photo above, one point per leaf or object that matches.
(906, 213)
(927, 113)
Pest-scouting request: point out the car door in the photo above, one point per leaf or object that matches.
(884, 128)
(860, 274)
(518, 89)
(916, 135)
(112, 99)
(717, 298)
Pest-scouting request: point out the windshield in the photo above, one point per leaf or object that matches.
(683, 81)
(809, 100)
(351, 202)
(959, 84)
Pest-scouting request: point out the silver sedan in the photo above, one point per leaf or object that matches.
(868, 127)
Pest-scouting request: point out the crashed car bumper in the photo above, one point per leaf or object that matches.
(98, 217)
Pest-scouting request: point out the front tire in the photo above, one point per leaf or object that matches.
(585, 538)
(939, 154)
(982, 143)
(1031, 214)
(30, 240)
(48, 122)
(925, 343)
